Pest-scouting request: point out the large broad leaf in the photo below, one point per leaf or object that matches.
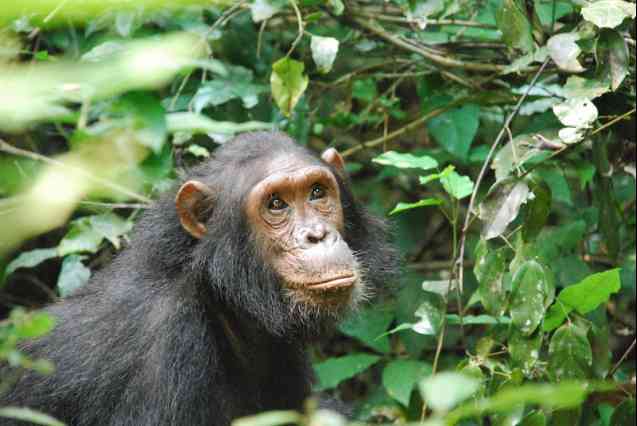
(489, 271)
(608, 13)
(73, 275)
(584, 297)
(533, 291)
(515, 26)
(502, 206)
(456, 185)
(334, 370)
(576, 112)
(400, 378)
(454, 130)
(612, 57)
(446, 390)
(288, 84)
(406, 161)
(570, 354)
(564, 51)
(367, 325)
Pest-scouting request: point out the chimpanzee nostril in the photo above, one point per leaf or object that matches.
(315, 234)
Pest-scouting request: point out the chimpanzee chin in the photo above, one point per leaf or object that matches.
(205, 317)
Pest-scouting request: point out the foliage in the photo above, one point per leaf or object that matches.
(498, 134)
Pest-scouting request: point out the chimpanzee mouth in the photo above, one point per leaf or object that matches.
(341, 282)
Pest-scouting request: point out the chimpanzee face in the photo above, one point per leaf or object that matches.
(296, 217)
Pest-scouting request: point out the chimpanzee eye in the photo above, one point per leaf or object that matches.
(318, 192)
(276, 203)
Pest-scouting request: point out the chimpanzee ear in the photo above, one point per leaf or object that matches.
(332, 157)
(190, 204)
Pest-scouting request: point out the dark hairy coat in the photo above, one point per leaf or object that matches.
(180, 331)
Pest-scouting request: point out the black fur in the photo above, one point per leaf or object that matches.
(179, 331)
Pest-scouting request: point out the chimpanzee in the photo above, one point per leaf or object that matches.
(206, 315)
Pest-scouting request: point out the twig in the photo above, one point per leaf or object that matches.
(463, 235)
(613, 370)
(9, 149)
(434, 57)
(396, 133)
(299, 20)
(430, 22)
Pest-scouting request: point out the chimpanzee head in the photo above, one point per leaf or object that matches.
(278, 235)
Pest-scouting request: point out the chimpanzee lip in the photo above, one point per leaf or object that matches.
(342, 281)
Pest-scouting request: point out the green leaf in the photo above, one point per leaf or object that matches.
(270, 418)
(538, 209)
(556, 315)
(424, 180)
(489, 271)
(515, 26)
(445, 390)
(576, 112)
(288, 84)
(29, 415)
(32, 325)
(624, 414)
(578, 87)
(516, 153)
(564, 51)
(402, 207)
(535, 418)
(198, 151)
(502, 206)
(455, 130)
(557, 184)
(453, 319)
(406, 161)
(570, 354)
(611, 52)
(324, 50)
(197, 123)
(335, 370)
(525, 351)
(594, 290)
(29, 259)
(73, 275)
(367, 325)
(365, 90)
(81, 238)
(532, 293)
(148, 118)
(400, 378)
(456, 185)
(111, 227)
(608, 13)
(430, 314)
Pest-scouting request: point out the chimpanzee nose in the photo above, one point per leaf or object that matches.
(315, 233)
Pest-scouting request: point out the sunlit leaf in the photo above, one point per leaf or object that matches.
(456, 185)
(406, 161)
(576, 112)
(29, 415)
(288, 84)
(564, 51)
(73, 275)
(608, 13)
(324, 50)
(430, 315)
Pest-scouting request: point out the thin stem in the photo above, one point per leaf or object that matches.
(613, 370)
(299, 20)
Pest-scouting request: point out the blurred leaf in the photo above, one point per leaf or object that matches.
(430, 315)
(538, 209)
(187, 121)
(324, 51)
(264, 9)
(570, 354)
(532, 293)
(424, 180)
(453, 319)
(28, 415)
(271, 418)
(489, 271)
(402, 207)
(525, 350)
(73, 275)
(624, 414)
(576, 112)
(456, 185)
(557, 184)
(515, 26)
(29, 259)
(406, 161)
(613, 57)
(333, 371)
(367, 325)
(400, 378)
(288, 84)
(198, 151)
(502, 206)
(535, 418)
(237, 84)
(81, 238)
(32, 325)
(365, 90)
(608, 13)
(455, 130)
(564, 51)
(444, 391)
